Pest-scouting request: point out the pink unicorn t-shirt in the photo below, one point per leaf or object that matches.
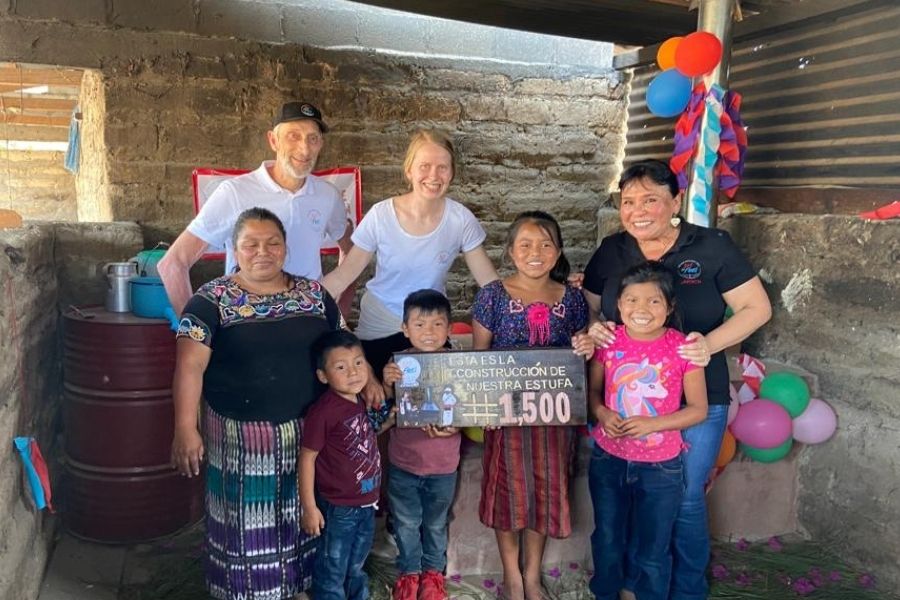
(643, 378)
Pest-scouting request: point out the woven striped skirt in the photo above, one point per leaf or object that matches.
(254, 546)
(526, 479)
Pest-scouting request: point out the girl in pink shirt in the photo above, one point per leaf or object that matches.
(635, 476)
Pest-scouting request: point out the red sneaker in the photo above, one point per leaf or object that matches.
(406, 587)
(431, 586)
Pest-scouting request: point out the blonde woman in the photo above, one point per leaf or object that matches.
(414, 237)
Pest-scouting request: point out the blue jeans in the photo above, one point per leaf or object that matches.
(419, 505)
(690, 541)
(651, 492)
(342, 551)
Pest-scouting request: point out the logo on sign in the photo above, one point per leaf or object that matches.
(411, 370)
(689, 271)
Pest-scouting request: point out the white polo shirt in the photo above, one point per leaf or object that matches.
(312, 215)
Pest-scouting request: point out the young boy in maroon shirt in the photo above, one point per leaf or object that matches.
(340, 471)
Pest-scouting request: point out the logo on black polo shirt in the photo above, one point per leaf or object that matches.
(689, 270)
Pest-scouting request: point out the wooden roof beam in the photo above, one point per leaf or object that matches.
(34, 120)
(15, 104)
(33, 77)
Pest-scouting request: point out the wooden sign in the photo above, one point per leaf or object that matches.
(538, 386)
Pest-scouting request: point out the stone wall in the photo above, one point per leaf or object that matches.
(42, 267)
(36, 185)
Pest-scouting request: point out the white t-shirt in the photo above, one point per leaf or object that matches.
(310, 216)
(405, 263)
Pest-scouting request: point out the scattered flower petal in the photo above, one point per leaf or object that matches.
(867, 580)
(489, 584)
(742, 544)
(720, 572)
(775, 544)
(456, 578)
(554, 572)
(574, 566)
(743, 579)
(803, 586)
(834, 576)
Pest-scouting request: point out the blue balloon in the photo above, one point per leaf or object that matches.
(668, 93)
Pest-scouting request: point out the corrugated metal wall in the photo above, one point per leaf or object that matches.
(822, 105)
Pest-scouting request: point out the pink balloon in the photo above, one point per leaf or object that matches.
(733, 408)
(762, 424)
(815, 424)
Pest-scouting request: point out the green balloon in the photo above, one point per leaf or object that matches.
(788, 390)
(767, 455)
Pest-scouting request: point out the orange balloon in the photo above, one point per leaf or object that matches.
(726, 450)
(665, 56)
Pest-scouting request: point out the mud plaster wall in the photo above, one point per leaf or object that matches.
(43, 268)
(834, 283)
(92, 179)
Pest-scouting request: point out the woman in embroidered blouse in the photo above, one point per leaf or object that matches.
(244, 348)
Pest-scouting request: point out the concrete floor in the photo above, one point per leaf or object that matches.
(165, 568)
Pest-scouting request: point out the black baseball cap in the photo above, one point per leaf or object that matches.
(297, 111)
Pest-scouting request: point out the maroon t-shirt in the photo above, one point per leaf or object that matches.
(348, 467)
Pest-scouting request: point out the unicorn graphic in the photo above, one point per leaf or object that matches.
(634, 385)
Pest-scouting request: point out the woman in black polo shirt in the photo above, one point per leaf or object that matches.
(711, 274)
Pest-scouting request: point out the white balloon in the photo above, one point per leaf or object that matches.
(815, 424)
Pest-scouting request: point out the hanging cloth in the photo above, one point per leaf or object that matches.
(73, 150)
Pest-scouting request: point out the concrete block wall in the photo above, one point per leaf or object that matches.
(331, 24)
(43, 267)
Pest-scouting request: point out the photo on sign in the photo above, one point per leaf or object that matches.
(515, 388)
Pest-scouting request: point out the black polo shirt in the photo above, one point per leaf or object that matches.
(705, 263)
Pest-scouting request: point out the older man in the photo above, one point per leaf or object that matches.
(310, 208)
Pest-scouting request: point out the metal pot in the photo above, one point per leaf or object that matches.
(118, 293)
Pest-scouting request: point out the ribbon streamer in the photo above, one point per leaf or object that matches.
(710, 144)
